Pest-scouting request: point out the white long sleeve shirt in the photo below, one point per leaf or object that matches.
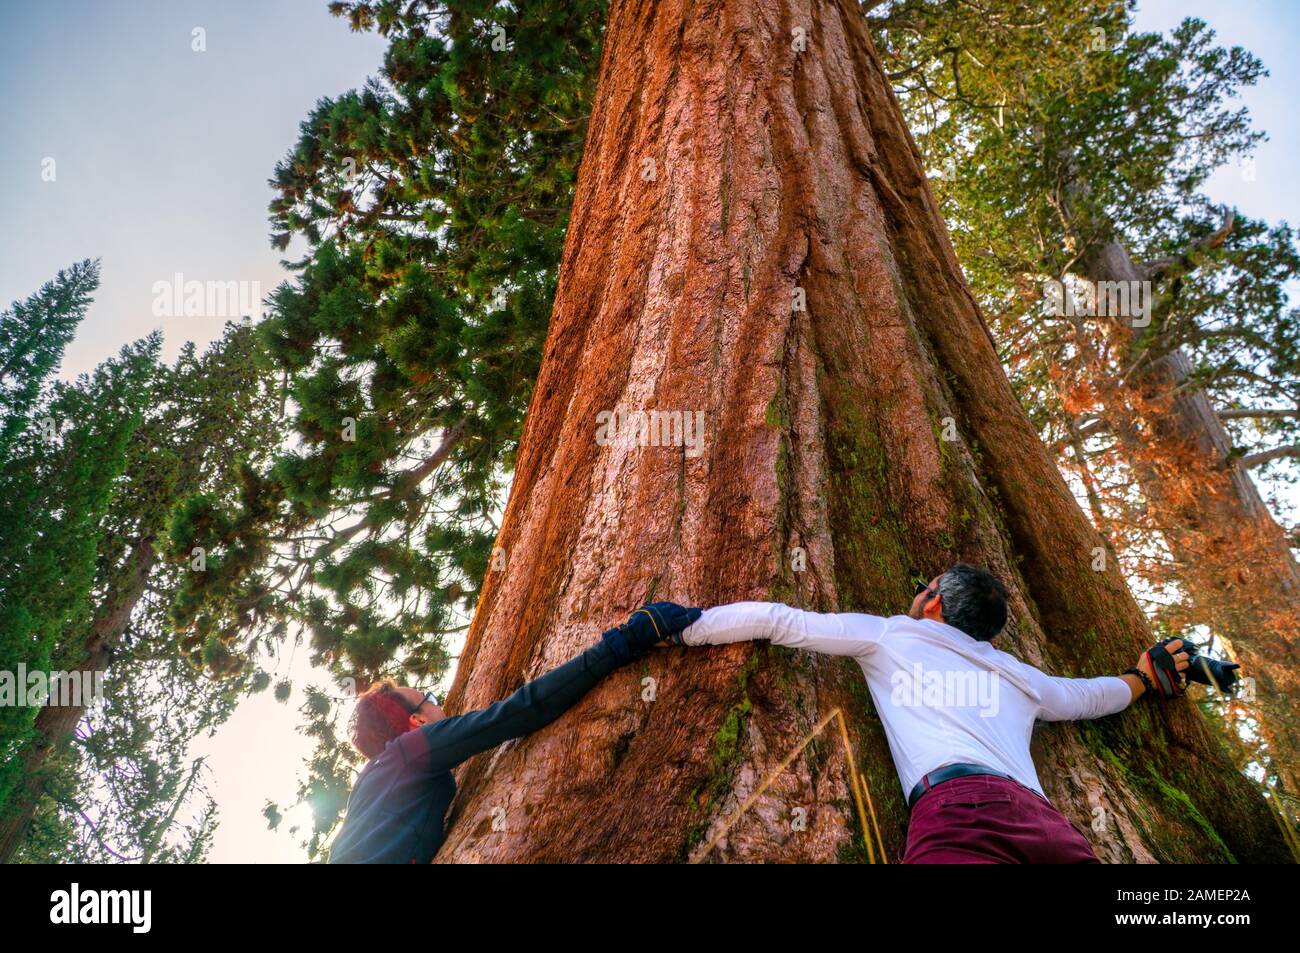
(943, 696)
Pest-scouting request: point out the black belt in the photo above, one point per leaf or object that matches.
(950, 771)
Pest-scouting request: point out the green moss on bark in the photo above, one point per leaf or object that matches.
(728, 745)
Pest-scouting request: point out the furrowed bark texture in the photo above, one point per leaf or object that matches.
(773, 170)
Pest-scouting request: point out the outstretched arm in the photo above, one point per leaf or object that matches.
(538, 703)
(1069, 699)
(831, 633)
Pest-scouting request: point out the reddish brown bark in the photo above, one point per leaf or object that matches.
(778, 170)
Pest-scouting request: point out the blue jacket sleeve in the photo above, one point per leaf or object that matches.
(538, 703)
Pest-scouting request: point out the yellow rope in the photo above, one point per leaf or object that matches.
(859, 784)
(858, 779)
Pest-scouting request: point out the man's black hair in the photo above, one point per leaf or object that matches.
(974, 600)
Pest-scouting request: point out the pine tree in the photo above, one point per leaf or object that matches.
(58, 482)
(33, 334)
(116, 782)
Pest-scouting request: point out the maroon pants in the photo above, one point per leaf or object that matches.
(986, 820)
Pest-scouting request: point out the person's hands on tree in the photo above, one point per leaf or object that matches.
(655, 623)
(1163, 667)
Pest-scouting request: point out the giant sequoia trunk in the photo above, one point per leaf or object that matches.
(1233, 559)
(728, 178)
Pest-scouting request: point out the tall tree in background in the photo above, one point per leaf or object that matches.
(115, 782)
(753, 239)
(56, 486)
(33, 334)
(1087, 171)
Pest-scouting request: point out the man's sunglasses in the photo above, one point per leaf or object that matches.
(925, 587)
(428, 697)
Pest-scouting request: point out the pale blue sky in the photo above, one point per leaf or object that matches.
(162, 156)
(1270, 29)
(162, 153)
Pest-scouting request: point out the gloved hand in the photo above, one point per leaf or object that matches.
(653, 623)
(1171, 663)
(1164, 664)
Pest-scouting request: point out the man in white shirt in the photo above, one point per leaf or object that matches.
(958, 712)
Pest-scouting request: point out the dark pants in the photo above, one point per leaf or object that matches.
(987, 820)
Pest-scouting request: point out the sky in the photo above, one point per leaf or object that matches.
(161, 152)
(1270, 30)
(160, 158)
